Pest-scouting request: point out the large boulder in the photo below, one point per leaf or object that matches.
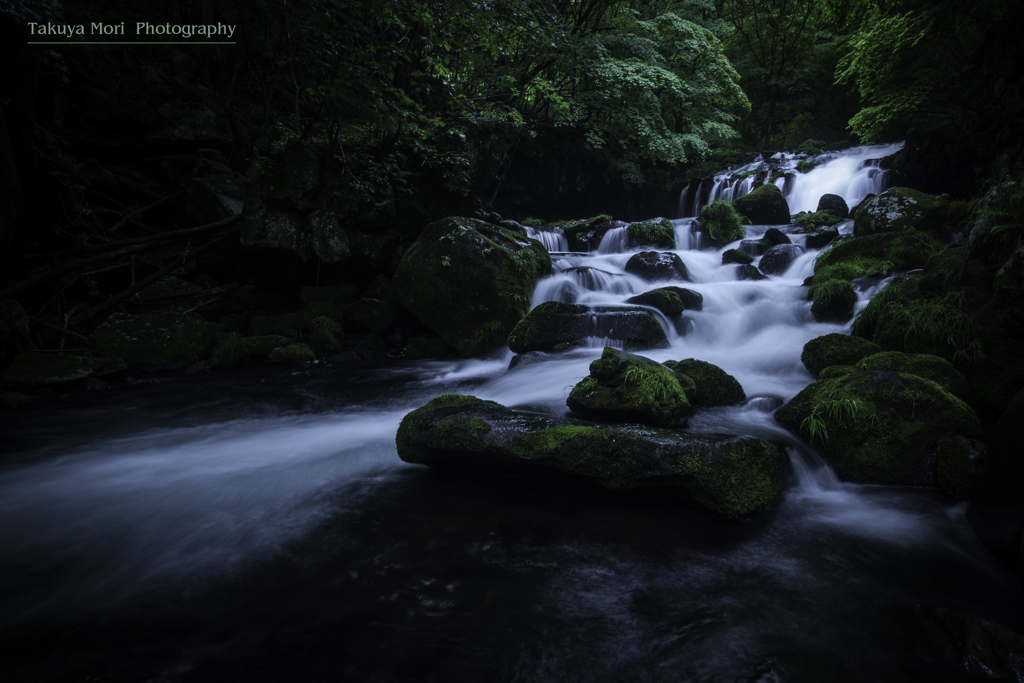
(938, 370)
(835, 349)
(553, 323)
(654, 266)
(888, 428)
(736, 256)
(899, 209)
(154, 341)
(832, 300)
(660, 234)
(470, 282)
(728, 476)
(623, 387)
(834, 203)
(720, 222)
(713, 385)
(777, 259)
(765, 205)
(31, 368)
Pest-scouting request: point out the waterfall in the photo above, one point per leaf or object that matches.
(851, 174)
(615, 240)
(684, 198)
(553, 239)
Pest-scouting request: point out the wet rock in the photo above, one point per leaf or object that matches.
(95, 384)
(728, 476)
(653, 266)
(552, 323)
(713, 386)
(835, 349)
(981, 649)
(899, 209)
(777, 259)
(664, 299)
(33, 369)
(623, 387)
(834, 203)
(765, 205)
(754, 247)
(821, 238)
(774, 236)
(204, 365)
(749, 272)
(818, 219)
(469, 281)
(155, 341)
(736, 256)
(883, 427)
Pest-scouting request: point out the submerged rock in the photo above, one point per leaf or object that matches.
(31, 368)
(623, 387)
(470, 282)
(729, 476)
(777, 259)
(887, 428)
(653, 266)
(765, 205)
(553, 323)
(736, 256)
(713, 386)
(749, 272)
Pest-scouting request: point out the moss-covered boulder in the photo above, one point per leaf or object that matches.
(234, 349)
(904, 251)
(899, 209)
(584, 234)
(883, 427)
(835, 204)
(835, 349)
(657, 265)
(658, 234)
(713, 385)
(470, 282)
(14, 329)
(293, 353)
(728, 476)
(832, 300)
(809, 222)
(765, 205)
(774, 236)
(736, 256)
(31, 368)
(623, 387)
(289, 323)
(553, 323)
(721, 223)
(155, 341)
(370, 314)
(664, 299)
(925, 365)
(779, 258)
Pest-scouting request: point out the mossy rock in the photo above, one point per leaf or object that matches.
(14, 328)
(834, 204)
(34, 369)
(623, 387)
(766, 205)
(299, 320)
(584, 234)
(812, 221)
(419, 348)
(722, 224)
(832, 300)
(736, 256)
(880, 427)
(837, 371)
(553, 323)
(657, 265)
(943, 269)
(155, 341)
(263, 346)
(371, 314)
(664, 299)
(934, 368)
(714, 386)
(899, 209)
(293, 353)
(835, 349)
(470, 282)
(658, 234)
(727, 476)
(908, 250)
(774, 236)
(234, 349)
(692, 301)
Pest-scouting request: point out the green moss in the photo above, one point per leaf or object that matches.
(154, 341)
(899, 209)
(765, 205)
(736, 256)
(833, 371)
(450, 400)
(572, 228)
(302, 319)
(721, 222)
(231, 350)
(835, 349)
(748, 478)
(832, 300)
(261, 347)
(293, 353)
(327, 334)
(665, 300)
(811, 221)
(714, 386)
(804, 165)
(649, 233)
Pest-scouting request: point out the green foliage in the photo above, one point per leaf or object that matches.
(722, 222)
(231, 350)
(649, 233)
(1006, 209)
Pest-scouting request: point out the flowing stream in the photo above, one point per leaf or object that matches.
(260, 526)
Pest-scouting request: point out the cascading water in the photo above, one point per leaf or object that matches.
(852, 174)
(211, 528)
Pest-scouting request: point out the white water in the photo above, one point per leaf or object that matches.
(852, 174)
